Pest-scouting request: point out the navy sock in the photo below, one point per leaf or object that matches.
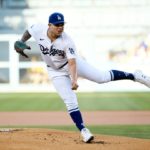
(121, 75)
(77, 118)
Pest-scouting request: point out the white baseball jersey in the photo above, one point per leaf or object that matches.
(55, 54)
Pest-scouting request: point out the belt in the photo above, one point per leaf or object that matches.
(60, 66)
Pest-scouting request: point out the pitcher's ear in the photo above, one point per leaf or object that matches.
(49, 24)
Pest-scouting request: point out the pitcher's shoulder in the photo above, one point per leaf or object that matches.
(38, 27)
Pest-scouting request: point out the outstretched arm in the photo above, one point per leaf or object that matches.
(26, 36)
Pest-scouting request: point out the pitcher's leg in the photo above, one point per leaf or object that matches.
(87, 71)
(138, 76)
(63, 87)
(121, 75)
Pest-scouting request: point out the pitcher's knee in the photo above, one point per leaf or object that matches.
(72, 107)
(105, 77)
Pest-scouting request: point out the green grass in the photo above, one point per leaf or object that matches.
(87, 101)
(135, 131)
(30, 102)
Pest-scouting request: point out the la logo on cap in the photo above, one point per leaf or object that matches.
(58, 17)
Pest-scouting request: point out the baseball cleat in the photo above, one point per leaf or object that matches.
(141, 78)
(87, 135)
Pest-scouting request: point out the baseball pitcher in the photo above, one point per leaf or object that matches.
(64, 66)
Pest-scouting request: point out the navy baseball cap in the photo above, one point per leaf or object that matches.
(56, 18)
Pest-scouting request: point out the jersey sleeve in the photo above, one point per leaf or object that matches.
(70, 49)
(31, 30)
(34, 29)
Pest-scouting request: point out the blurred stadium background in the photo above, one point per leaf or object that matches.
(110, 34)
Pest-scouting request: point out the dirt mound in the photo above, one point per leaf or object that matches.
(45, 139)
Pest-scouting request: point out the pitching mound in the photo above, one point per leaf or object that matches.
(45, 139)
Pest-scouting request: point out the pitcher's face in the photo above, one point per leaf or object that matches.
(56, 29)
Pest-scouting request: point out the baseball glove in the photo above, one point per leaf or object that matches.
(20, 46)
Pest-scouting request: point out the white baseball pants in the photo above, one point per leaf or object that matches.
(85, 70)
